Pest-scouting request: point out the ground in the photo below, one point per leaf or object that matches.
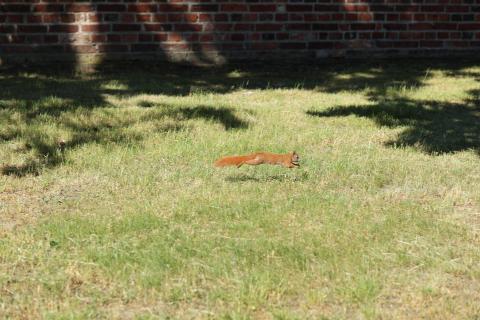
(110, 206)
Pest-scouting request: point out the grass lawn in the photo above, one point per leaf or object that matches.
(129, 219)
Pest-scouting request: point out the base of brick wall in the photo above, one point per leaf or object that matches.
(89, 61)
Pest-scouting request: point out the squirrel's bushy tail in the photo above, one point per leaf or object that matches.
(230, 161)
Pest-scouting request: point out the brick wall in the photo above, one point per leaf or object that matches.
(209, 30)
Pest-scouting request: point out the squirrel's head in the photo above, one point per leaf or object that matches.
(295, 159)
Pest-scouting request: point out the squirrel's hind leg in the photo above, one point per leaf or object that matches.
(255, 161)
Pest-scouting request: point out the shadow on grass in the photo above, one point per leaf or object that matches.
(223, 115)
(430, 126)
(267, 178)
(46, 150)
(131, 79)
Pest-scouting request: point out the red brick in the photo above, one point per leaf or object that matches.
(365, 17)
(443, 35)
(132, 37)
(358, 17)
(469, 26)
(293, 45)
(219, 27)
(407, 8)
(112, 48)
(405, 17)
(111, 7)
(405, 44)
(326, 8)
(237, 37)
(204, 8)
(445, 26)
(15, 18)
(268, 27)
(174, 37)
(298, 26)
(395, 26)
(7, 28)
(175, 17)
(144, 18)
(95, 28)
(233, 7)
(431, 44)
(420, 26)
(14, 8)
(221, 17)
(206, 38)
(126, 18)
(78, 8)
(204, 17)
(363, 26)
(98, 38)
(263, 8)
(299, 8)
(172, 8)
(264, 46)
(48, 8)
(63, 28)
(52, 18)
(157, 27)
(145, 47)
(114, 38)
(179, 47)
(82, 49)
(365, 36)
(438, 17)
(457, 8)
(160, 37)
(30, 19)
(243, 27)
(188, 27)
(233, 46)
(411, 35)
(17, 49)
(50, 39)
(126, 27)
(321, 45)
(32, 28)
(392, 17)
(15, 39)
(384, 44)
(145, 8)
(191, 17)
(432, 9)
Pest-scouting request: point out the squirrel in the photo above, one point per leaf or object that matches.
(289, 160)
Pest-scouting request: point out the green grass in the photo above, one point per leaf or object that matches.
(129, 219)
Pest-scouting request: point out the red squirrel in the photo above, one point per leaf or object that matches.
(289, 160)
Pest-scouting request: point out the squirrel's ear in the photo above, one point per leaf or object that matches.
(294, 152)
